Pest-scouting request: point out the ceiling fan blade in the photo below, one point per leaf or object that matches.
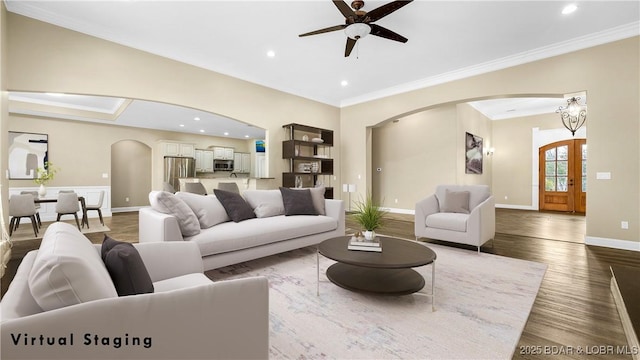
(378, 30)
(384, 10)
(325, 30)
(345, 9)
(350, 44)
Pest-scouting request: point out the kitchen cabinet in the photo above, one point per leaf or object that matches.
(308, 151)
(204, 160)
(223, 153)
(242, 163)
(178, 149)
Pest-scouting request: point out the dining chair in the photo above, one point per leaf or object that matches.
(68, 204)
(35, 195)
(22, 206)
(196, 188)
(96, 207)
(229, 186)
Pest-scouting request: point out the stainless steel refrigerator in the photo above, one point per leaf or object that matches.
(178, 167)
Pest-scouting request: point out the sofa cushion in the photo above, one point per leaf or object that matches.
(297, 202)
(181, 282)
(68, 270)
(455, 202)
(265, 203)
(126, 268)
(208, 209)
(448, 221)
(232, 236)
(168, 203)
(317, 195)
(235, 206)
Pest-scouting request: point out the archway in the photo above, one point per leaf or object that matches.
(130, 174)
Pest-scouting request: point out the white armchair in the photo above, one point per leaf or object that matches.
(463, 214)
(187, 317)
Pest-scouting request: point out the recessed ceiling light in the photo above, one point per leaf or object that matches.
(201, 130)
(181, 125)
(196, 118)
(271, 53)
(246, 136)
(226, 133)
(344, 83)
(569, 9)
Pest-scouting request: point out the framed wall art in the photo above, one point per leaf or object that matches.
(27, 152)
(473, 154)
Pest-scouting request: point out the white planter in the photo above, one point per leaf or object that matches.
(42, 192)
(369, 235)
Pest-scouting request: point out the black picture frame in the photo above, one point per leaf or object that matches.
(473, 154)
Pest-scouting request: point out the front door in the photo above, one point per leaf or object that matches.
(563, 176)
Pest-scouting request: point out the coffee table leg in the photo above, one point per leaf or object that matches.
(433, 285)
(317, 273)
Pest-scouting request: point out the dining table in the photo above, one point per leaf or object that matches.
(83, 207)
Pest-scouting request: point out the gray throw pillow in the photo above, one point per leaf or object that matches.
(235, 206)
(168, 203)
(126, 268)
(297, 202)
(317, 195)
(456, 202)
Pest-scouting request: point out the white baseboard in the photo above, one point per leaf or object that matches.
(612, 243)
(127, 209)
(516, 207)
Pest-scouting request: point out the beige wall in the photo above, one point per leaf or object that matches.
(43, 57)
(608, 73)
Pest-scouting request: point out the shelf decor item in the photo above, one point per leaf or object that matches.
(44, 175)
(370, 216)
(362, 244)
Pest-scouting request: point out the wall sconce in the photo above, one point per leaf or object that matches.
(573, 115)
(349, 188)
(490, 151)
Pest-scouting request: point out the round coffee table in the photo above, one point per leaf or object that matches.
(388, 272)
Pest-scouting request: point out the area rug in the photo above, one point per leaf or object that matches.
(482, 304)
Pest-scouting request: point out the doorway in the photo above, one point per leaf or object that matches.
(562, 172)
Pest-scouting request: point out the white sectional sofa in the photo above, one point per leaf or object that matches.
(223, 242)
(63, 304)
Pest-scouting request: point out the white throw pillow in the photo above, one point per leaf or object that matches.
(207, 208)
(168, 203)
(265, 203)
(68, 270)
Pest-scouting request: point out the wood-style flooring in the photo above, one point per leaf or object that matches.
(574, 315)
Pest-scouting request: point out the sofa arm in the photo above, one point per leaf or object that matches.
(155, 226)
(223, 320)
(335, 209)
(424, 208)
(482, 220)
(166, 260)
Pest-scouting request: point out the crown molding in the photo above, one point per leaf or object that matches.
(560, 48)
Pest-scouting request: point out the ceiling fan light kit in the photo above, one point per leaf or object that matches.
(359, 23)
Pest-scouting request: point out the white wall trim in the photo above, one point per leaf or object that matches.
(612, 243)
(399, 211)
(127, 209)
(517, 207)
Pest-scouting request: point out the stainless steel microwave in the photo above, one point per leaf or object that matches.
(222, 165)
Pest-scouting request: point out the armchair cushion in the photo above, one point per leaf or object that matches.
(168, 203)
(125, 267)
(68, 270)
(455, 202)
(448, 221)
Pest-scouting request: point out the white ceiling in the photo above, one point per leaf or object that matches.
(447, 39)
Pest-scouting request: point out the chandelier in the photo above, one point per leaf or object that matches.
(573, 115)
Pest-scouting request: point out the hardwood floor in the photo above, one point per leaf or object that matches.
(574, 307)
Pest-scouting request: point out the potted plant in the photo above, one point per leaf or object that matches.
(43, 175)
(370, 216)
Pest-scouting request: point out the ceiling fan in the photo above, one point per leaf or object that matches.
(359, 23)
